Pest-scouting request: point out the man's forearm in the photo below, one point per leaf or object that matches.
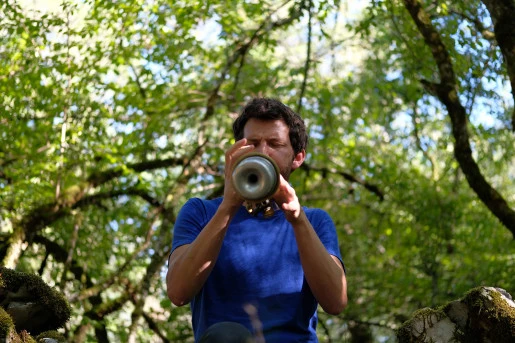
(324, 273)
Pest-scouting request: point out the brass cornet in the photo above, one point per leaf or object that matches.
(256, 178)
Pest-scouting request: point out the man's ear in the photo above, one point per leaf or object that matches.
(298, 159)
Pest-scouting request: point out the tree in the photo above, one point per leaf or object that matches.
(113, 114)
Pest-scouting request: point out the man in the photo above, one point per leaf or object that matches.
(226, 261)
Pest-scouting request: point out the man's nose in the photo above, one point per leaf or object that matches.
(261, 148)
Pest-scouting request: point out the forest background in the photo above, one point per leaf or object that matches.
(113, 113)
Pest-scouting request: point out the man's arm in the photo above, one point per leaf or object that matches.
(324, 272)
(190, 264)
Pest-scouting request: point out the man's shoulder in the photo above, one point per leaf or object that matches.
(197, 200)
(317, 216)
(315, 211)
(204, 204)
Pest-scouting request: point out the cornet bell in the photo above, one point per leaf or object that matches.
(256, 177)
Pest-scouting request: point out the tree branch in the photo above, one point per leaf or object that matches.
(487, 34)
(242, 49)
(98, 178)
(446, 92)
(503, 14)
(349, 177)
(74, 197)
(308, 61)
(60, 255)
(153, 326)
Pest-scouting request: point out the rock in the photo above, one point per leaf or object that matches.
(28, 306)
(483, 315)
(7, 329)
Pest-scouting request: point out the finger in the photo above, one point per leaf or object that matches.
(241, 144)
(238, 149)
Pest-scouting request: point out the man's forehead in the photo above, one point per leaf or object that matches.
(266, 125)
(265, 135)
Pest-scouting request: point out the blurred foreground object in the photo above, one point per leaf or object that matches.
(29, 307)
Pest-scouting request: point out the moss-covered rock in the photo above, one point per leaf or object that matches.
(7, 328)
(484, 314)
(25, 337)
(50, 337)
(31, 304)
(491, 315)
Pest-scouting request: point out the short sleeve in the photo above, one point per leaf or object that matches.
(191, 220)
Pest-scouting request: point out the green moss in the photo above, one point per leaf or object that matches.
(6, 323)
(51, 334)
(26, 337)
(493, 313)
(32, 287)
(487, 317)
(7, 329)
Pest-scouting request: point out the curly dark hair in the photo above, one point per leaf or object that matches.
(272, 109)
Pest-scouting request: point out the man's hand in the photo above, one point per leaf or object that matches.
(231, 198)
(287, 200)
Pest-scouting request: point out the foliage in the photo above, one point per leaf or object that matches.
(114, 113)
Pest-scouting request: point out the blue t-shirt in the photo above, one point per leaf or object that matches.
(259, 265)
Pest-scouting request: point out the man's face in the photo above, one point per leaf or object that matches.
(271, 138)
